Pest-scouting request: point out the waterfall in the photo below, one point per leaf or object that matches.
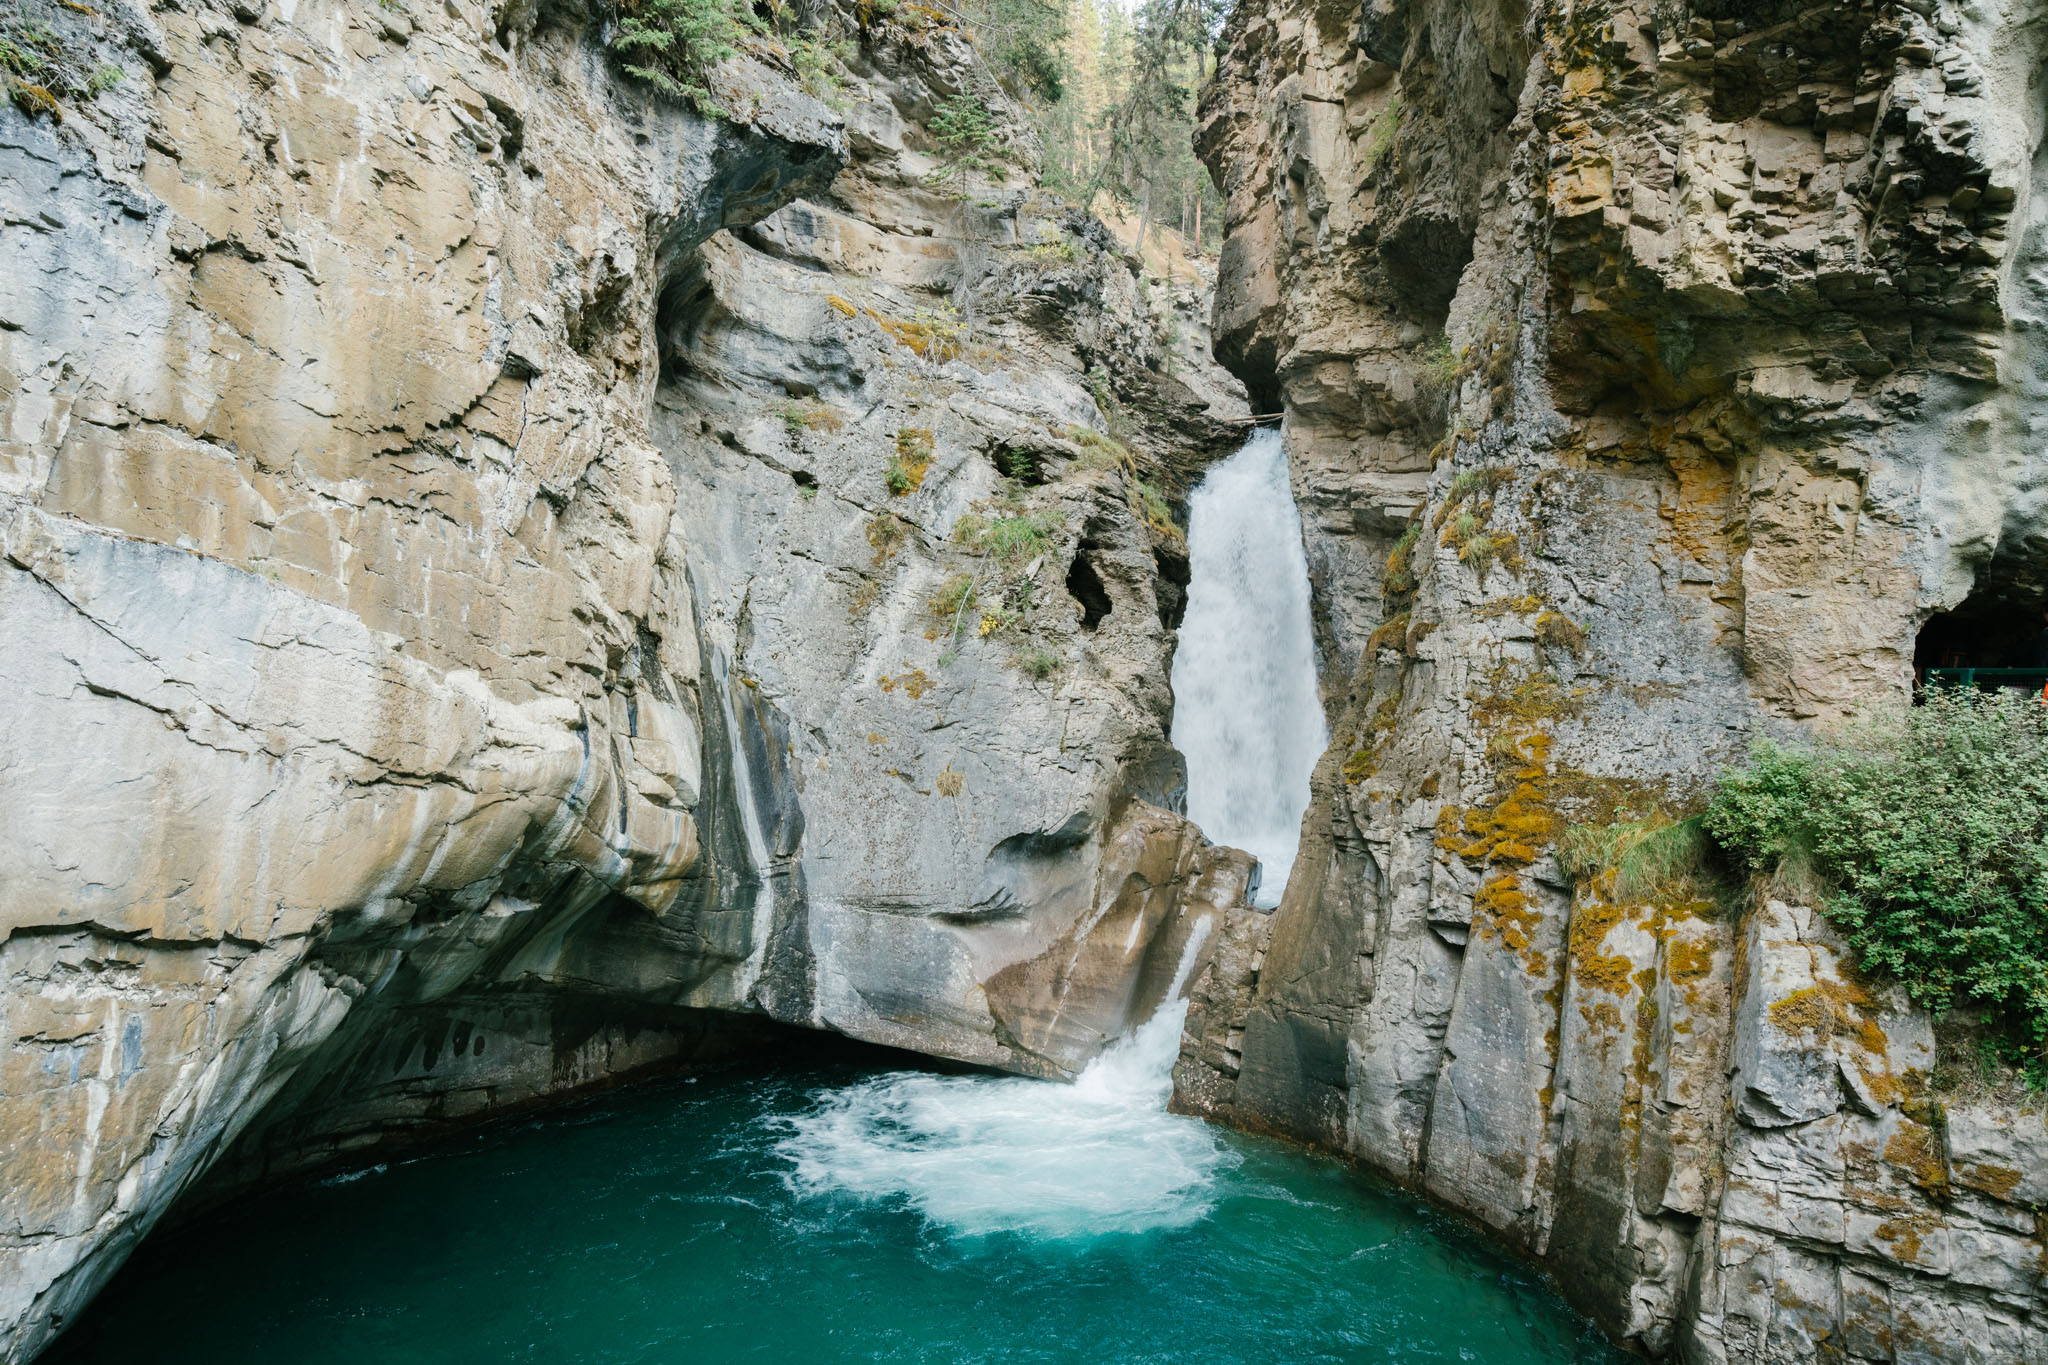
(1246, 713)
(978, 1155)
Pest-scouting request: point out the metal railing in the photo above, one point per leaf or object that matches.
(2031, 679)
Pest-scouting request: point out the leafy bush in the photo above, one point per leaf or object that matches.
(1927, 844)
(673, 44)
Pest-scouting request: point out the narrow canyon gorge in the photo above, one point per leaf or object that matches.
(513, 581)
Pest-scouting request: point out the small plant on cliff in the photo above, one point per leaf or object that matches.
(673, 44)
(1436, 381)
(1657, 857)
(911, 462)
(1926, 843)
(1038, 661)
(964, 141)
(40, 69)
(1012, 540)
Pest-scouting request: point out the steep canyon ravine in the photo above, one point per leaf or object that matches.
(853, 1211)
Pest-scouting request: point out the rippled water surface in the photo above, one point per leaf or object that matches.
(840, 1213)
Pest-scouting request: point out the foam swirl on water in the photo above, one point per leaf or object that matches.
(978, 1155)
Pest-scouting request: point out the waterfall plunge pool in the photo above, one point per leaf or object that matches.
(849, 1212)
(839, 1212)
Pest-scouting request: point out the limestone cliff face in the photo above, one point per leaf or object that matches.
(1652, 372)
(461, 639)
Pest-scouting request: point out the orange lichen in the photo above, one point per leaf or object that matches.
(1903, 1235)
(1916, 1150)
(1503, 910)
(1391, 634)
(924, 340)
(1687, 960)
(844, 308)
(1997, 1181)
(914, 683)
(1838, 1008)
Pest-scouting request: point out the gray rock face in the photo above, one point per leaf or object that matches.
(1651, 374)
(461, 643)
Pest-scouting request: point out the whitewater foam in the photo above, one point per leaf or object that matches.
(979, 1155)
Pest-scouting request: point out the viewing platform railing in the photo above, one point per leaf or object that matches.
(2029, 679)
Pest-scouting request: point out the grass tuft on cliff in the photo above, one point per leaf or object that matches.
(1925, 841)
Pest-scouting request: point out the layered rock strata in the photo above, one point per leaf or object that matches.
(1652, 373)
(466, 565)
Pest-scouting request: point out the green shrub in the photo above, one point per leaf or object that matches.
(673, 44)
(964, 139)
(1926, 842)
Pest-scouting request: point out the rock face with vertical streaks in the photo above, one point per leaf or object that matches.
(1652, 373)
(468, 532)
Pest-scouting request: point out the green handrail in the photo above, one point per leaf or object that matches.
(2035, 678)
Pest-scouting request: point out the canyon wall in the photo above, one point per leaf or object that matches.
(501, 588)
(1652, 372)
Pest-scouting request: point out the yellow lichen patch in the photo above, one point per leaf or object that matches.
(1601, 1016)
(844, 308)
(1362, 763)
(1838, 1008)
(1504, 912)
(1525, 703)
(913, 682)
(1687, 960)
(1638, 1083)
(1903, 1235)
(1511, 832)
(1997, 1181)
(1915, 1149)
(1592, 920)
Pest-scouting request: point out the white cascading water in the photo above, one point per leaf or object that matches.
(1246, 714)
(978, 1155)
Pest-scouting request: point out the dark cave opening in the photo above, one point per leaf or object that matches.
(1996, 637)
(1085, 586)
